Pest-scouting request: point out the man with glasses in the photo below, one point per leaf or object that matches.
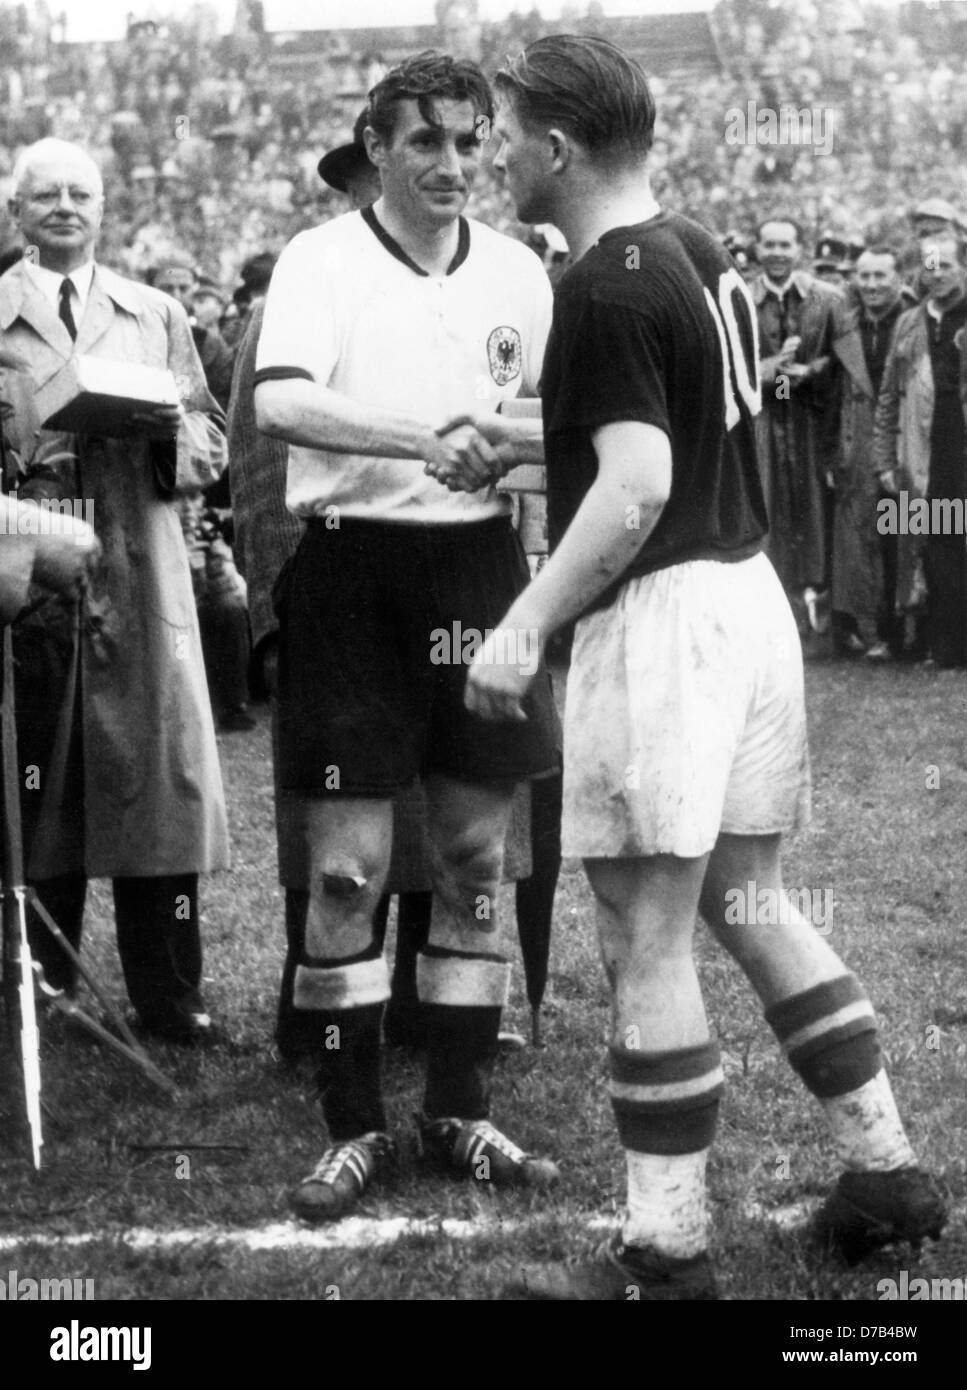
(112, 708)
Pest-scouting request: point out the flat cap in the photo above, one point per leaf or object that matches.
(936, 207)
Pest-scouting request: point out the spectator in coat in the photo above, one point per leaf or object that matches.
(920, 449)
(862, 558)
(112, 707)
(796, 316)
(219, 589)
(176, 276)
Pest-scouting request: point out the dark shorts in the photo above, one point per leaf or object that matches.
(365, 702)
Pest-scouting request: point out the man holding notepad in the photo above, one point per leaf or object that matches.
(116, 736)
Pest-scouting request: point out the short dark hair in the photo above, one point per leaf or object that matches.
(425, 79)
(785, 218)
(881, 248)
(587, 87)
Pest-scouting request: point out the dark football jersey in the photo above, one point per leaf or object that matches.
(655, 324)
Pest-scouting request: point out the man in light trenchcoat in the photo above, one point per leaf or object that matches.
(920, 450)
(121, 775)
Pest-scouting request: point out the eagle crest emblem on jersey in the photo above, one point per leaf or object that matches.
(504, 354)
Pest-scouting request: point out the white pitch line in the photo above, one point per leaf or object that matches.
(791, 1217)
(362, 1232)
(352, 1233)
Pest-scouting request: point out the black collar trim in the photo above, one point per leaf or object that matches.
(395, 249)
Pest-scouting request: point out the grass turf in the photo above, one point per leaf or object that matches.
(888, 840)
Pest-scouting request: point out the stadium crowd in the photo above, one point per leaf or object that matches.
(207, 149)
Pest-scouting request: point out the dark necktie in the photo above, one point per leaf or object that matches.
(874, 336)
(66, 317)
(782, 300)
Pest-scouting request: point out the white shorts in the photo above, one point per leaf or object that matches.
(685, 715)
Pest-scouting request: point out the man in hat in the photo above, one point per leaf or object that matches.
(832, 263)
(348, 169)
(380, 327)
(935, 217)
(931, 217)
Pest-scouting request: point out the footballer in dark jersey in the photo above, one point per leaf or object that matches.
(685, 733)
(654, 324)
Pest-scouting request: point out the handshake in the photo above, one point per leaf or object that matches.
(471, 451)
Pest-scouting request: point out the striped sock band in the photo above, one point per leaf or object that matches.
(460, 979)
(829, 1035)
(666, 1102)
(350, 985)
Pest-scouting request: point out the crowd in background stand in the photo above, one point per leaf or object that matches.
(207, 148)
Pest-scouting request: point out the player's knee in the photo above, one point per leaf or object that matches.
(610, 886)
(344, 888)
(471, 862)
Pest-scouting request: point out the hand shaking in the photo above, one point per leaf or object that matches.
(471, 452)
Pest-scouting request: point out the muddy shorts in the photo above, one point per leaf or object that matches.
(685, 715)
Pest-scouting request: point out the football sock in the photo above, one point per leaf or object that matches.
(667, 1208)
(830, 1038)
(666, 1108)
(462, 997)
(867, 1129)
(349, 998)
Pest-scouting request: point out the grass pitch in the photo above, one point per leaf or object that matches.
(888, 841)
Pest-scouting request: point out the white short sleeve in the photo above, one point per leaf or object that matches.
(299, 337)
